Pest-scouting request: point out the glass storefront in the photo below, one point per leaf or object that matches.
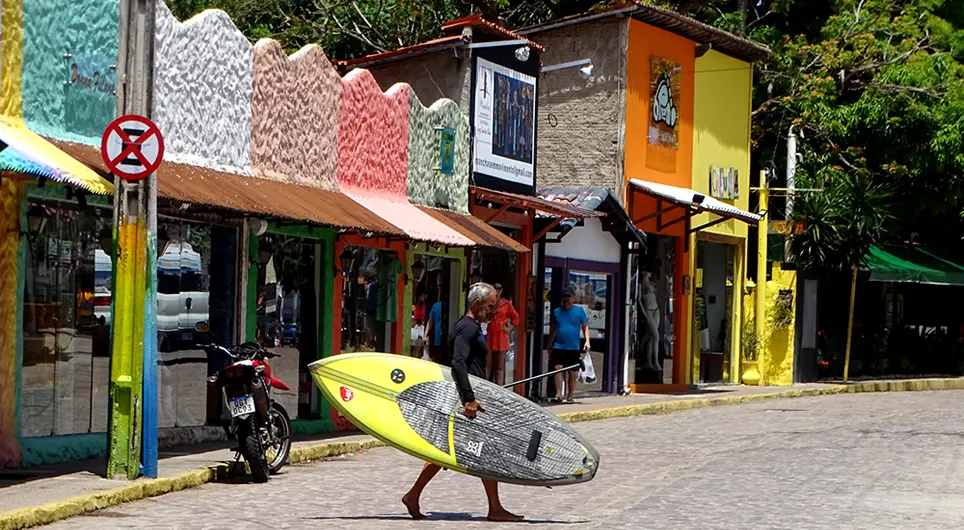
(66, 323)
(654, 309)
(67, 318)
(289, 309)
(196, 282)
(713, 309)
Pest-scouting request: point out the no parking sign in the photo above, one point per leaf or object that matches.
(132, 147)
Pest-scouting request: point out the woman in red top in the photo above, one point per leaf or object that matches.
(505, 318)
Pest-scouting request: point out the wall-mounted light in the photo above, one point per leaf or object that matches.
(258, 226)
(36, 221)
(522, 53)
(346, 260)
(418, 269)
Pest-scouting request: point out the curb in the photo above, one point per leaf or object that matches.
(145, 488)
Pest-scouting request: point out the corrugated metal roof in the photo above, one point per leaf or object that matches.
(476, 229)
(557, 209)
(404, 52)
(186, 183)
(411, 220)
(589, 198)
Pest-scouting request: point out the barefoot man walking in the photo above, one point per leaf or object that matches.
(468, 352)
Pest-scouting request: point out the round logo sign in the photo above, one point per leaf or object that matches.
(398, 376)
(346, 394)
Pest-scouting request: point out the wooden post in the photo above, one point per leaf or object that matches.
(850, 325)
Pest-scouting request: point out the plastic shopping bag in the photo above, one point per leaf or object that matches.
(588, 375)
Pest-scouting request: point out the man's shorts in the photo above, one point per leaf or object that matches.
(564, 358)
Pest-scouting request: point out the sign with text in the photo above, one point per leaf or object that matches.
(724, 182)
(90, 100)
(664, 103)
(505, 120)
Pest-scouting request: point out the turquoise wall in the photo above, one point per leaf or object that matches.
(58, 100)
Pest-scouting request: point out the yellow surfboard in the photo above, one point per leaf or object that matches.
(413, 405)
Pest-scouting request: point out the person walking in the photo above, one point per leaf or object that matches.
(468, 353)
(433, 334)
(567, 322)
(505, 318)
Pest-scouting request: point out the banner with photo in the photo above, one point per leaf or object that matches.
(505, 116)
(664, 102)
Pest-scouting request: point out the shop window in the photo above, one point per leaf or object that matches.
(369, 300)
(66, 324)
(289, 309)
(196, 282)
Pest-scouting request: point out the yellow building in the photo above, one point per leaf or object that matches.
(721, 169)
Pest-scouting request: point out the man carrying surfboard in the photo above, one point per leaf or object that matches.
(468, 352)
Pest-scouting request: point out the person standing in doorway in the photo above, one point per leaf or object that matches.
(468, 352)
(505, 318)
(567, 321)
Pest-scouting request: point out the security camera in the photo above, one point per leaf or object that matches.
(586, 72)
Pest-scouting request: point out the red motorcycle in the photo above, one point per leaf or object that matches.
(259, 423)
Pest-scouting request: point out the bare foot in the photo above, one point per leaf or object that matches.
(503, 516)
(412, 505)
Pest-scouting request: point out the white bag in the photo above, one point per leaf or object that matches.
(588, 375)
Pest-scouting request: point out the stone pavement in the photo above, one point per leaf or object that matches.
(852, 461)
(45, 484)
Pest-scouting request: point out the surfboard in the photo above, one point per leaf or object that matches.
(414, 406)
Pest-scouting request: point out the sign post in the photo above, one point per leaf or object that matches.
(132, 147)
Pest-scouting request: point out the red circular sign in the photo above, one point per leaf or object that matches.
(132, 147)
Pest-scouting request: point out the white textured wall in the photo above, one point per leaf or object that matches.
(587, 242)
(202, 90)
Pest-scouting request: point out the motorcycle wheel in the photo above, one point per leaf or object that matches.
(278, 447)
(252, 450)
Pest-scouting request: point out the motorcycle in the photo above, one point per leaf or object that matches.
(259, 423)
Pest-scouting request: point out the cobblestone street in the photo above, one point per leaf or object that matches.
(882, 461)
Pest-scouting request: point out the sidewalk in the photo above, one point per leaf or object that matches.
(44, 494)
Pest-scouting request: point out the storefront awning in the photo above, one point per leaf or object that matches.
(475, 229)
(693, 202)
(26, 152)
(228, 191)
(411, 220)
(513, 200)
(911, 264)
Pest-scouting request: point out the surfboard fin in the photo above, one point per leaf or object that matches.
(533, 449)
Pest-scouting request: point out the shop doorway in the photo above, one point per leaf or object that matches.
(593, 287)
(369, 300)
(713, 310)
(495, 266)
(289, 314)
(436, 305)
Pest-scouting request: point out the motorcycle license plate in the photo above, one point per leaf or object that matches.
(241, 405)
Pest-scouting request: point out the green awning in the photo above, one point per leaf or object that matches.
(911, 264)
